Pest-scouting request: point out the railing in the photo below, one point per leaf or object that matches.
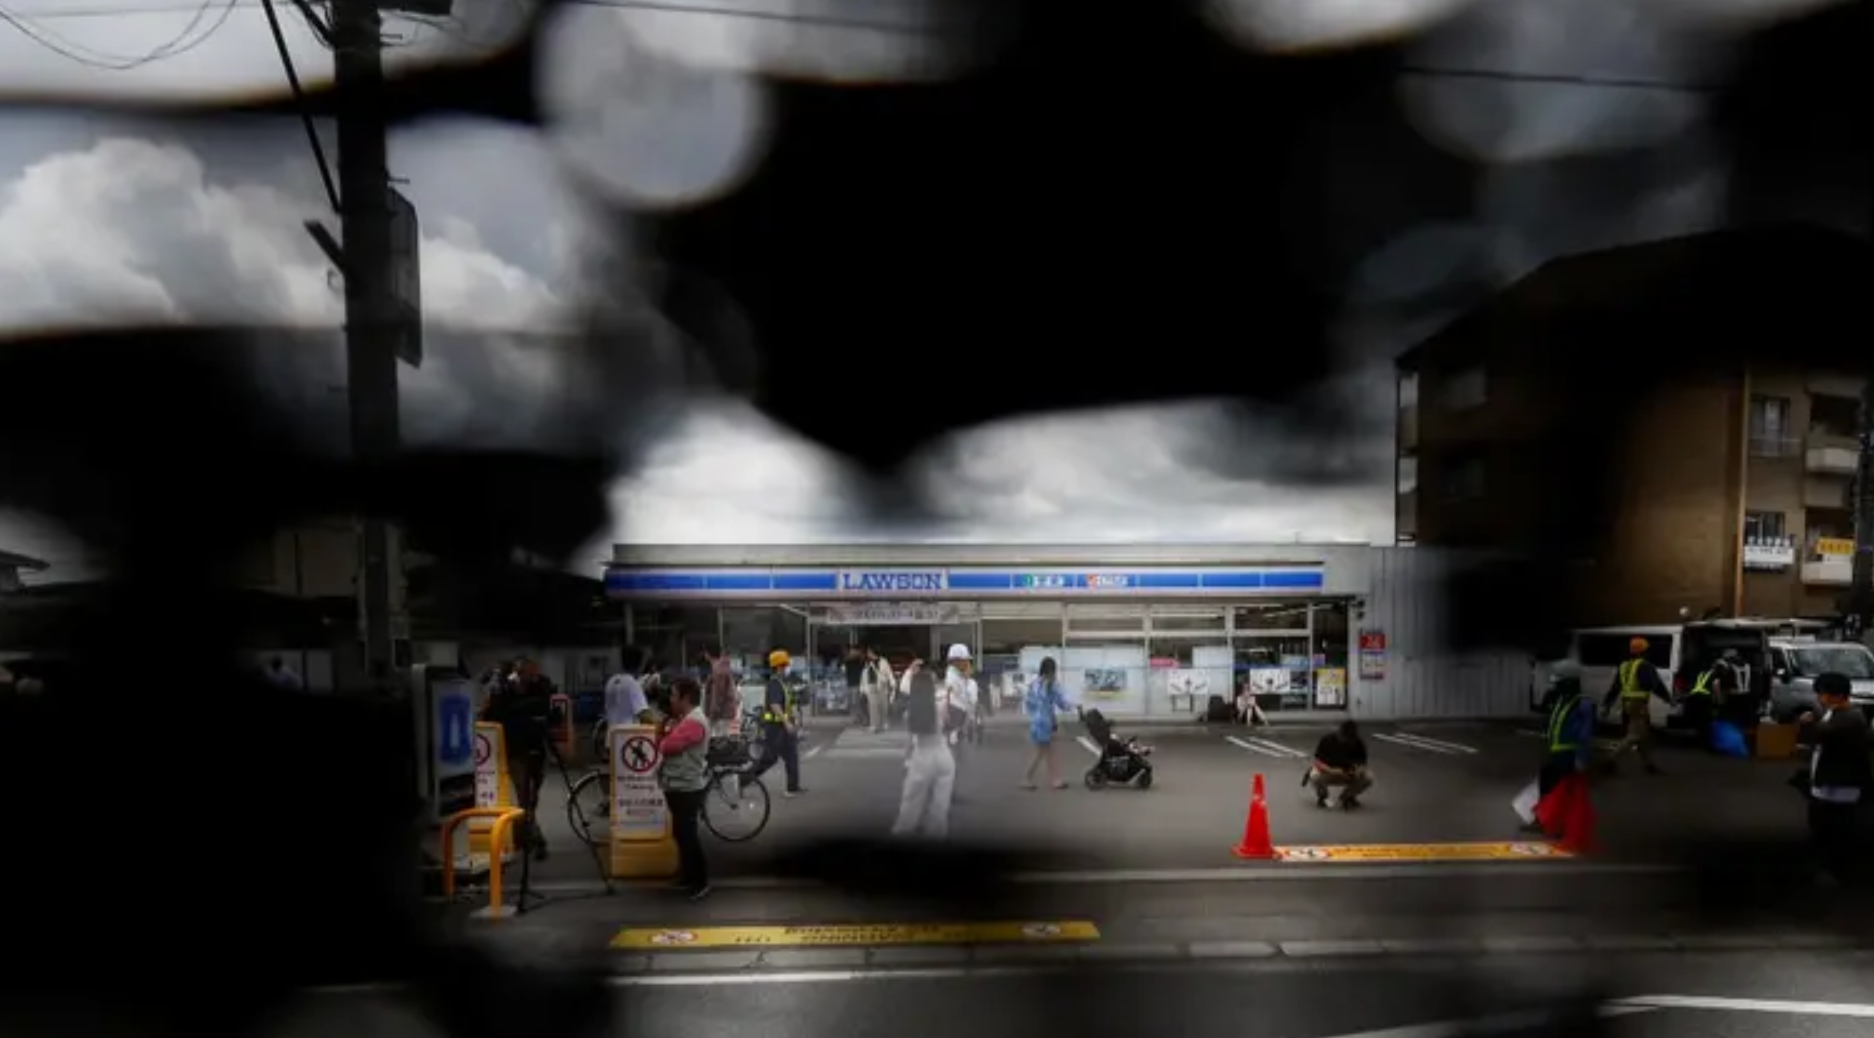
(498, 838)
(1775, 446)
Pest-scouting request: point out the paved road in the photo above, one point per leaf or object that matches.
(1644, 996)
(1435, 784)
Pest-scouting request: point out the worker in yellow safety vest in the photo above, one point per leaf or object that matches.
(1636, 682)
(1713, 686)
(780, 735)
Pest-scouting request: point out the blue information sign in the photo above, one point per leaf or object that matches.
(455, 727)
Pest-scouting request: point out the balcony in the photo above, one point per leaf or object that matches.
(1828, 570)
(1408, 429)
(1831, 455)
(1769, 554)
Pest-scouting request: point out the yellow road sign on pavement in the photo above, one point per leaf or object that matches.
(856, 935)
(1426, 852)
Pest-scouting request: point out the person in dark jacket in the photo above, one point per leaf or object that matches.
(1840, 773)
(520, 705)
(1340, 761)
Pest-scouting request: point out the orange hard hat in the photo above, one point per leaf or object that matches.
(1638, 645)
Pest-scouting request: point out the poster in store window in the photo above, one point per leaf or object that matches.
(1330, 687)
(1372, 655)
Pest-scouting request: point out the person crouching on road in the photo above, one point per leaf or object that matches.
(683, 743)
(1340, 761)
(1044, 703)
(931, 772)
(780, 741)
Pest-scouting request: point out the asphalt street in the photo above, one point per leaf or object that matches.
(1441, 783)
(1785, 995)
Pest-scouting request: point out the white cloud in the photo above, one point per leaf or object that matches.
(724, 475)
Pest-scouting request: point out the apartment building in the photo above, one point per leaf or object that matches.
(1653, 484)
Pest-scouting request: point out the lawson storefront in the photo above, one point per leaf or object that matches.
(1138, 631)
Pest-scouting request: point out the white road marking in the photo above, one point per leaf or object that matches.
(1221, 874)
(1448, 749)
(1266, 747)
(1088, 744)
(1441, 743)
(1751, 1005)
(815, 752)
(1507, 1023)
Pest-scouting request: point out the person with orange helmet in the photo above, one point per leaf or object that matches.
(1635, 683)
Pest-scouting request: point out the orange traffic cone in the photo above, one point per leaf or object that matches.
(1256, 844)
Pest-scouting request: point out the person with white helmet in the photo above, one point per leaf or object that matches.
(959, 690)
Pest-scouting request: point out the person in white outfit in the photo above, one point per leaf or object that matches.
(959, 691)
(930, 773)
(877, 684)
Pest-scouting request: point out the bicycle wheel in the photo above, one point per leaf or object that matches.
(589, 809)
(735, 806)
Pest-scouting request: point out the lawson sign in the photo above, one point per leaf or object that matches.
(868, 581)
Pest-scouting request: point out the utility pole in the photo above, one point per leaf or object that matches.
(1861, 588)
(370, 319)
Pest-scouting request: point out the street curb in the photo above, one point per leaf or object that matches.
(1096, 953)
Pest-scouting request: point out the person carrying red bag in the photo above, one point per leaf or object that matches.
(1562, 780)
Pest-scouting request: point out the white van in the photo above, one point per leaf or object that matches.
(1673, 648)
(1794, 664)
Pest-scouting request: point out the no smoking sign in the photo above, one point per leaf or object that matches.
(484, 749)
(638, 754)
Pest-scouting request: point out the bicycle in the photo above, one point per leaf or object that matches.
(732, 797)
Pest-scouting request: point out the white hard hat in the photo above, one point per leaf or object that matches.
(958, 652)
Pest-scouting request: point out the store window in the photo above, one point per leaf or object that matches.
(1292, 656)
(749, 633)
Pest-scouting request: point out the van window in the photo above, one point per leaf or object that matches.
(1610, 650)
(1704, 644)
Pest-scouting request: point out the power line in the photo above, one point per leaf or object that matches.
(182, 43)
(832, 21)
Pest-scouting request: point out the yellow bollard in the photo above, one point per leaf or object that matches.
(500, 838)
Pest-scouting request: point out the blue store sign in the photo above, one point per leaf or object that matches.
(787, 584)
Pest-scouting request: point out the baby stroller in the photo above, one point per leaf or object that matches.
(1121, 761)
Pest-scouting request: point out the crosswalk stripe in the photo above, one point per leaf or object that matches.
(1442, 744)
(1265, 747)
(1397, 740)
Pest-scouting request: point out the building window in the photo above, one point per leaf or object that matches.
(1834, 417)
(1763, 527)
(1769, 427)
(1465, 480)
(1464, 390)
(1409, 390)
(1408, 475)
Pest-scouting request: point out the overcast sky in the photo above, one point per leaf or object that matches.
(115, 220)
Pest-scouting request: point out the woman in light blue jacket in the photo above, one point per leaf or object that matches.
(1043, 703)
